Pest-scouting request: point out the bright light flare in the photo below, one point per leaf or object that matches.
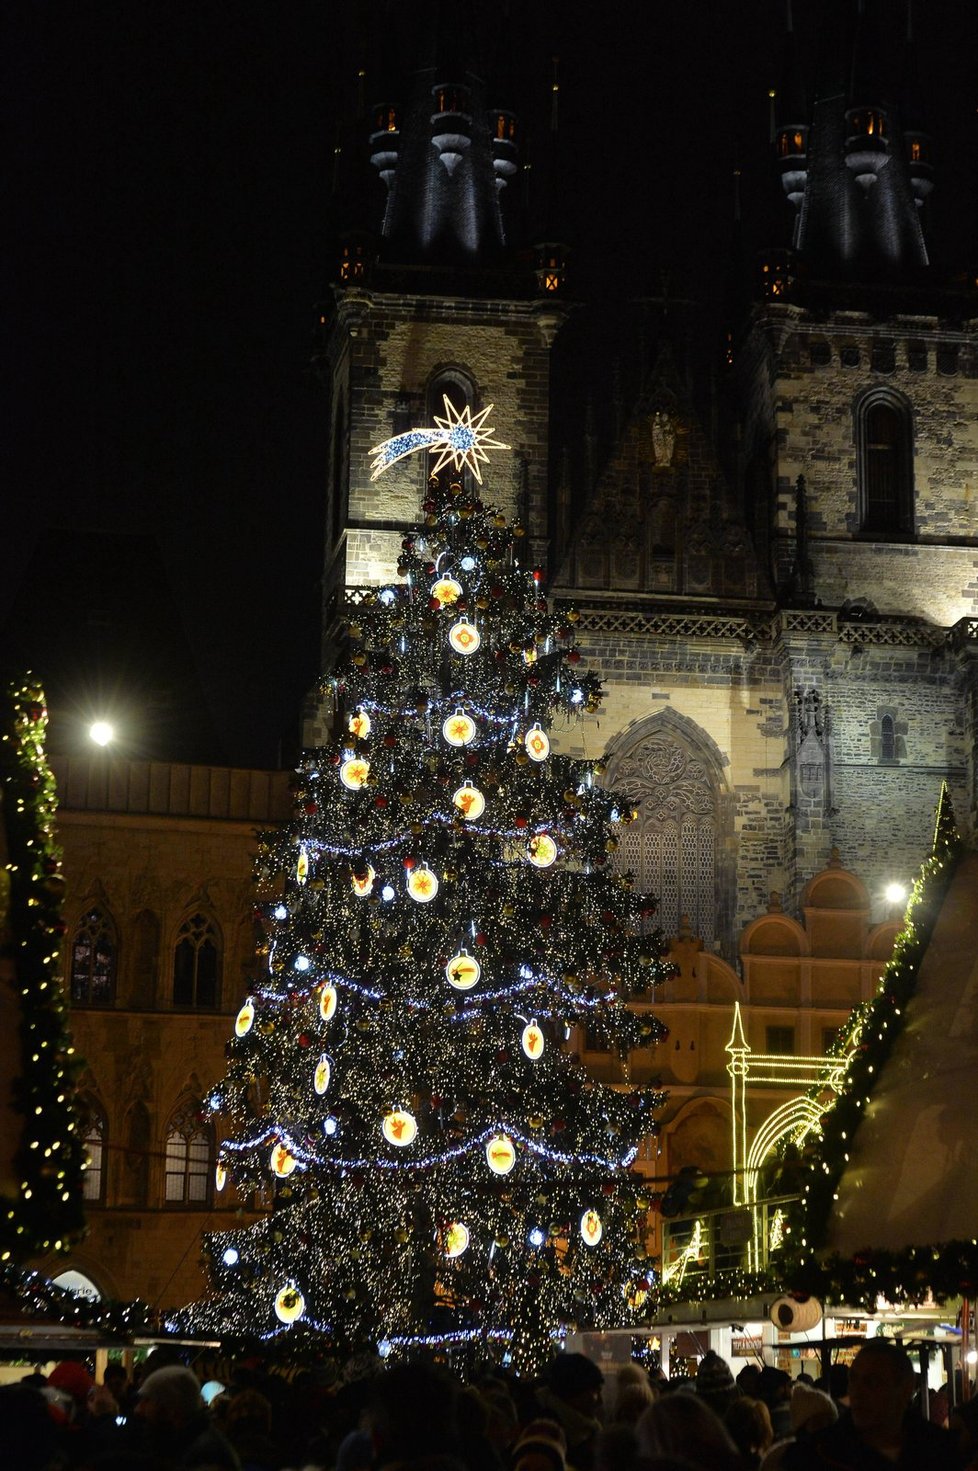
(895, 893)
(101, 732)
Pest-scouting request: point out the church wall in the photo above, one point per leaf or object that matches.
(737, 700)
(400, 343)
(804, 379)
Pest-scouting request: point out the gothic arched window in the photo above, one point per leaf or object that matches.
(673, 849)
(884, 441)
(93, 961)
(197, 965)
(94, 1137)
(189, 1154)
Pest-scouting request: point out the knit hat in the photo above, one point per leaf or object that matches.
(807, 1403)
(545, 1438)
(772, 1384)
(72, 1379)
(713, 1375)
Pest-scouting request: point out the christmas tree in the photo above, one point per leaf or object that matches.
(444, 912)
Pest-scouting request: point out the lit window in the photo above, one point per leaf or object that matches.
(93, 962)
(189, 1151)
(93, 1137)
(197, 964)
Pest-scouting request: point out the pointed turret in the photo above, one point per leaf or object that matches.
(917, 144)
(791, 121)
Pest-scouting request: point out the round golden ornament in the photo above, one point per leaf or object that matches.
(422, 885)
(469, 801)
(363, 883)
(289, 1304)
(500, 1154)
(400, 1127)
(459, 729)
(245, 1018)
(463, 971)
(359, 724)
(541, 850)
(533, 1041)
(591, 1228)
(464, 637)
(282, 1162)
(354, 773)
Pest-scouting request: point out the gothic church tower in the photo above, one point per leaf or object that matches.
(432, 296)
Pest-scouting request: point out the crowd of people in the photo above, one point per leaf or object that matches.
(420, 1417)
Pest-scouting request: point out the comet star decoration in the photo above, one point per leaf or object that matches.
(461, 439)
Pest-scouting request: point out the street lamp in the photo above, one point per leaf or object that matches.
(101, 732)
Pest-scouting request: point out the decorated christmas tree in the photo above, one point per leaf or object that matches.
(441, 918)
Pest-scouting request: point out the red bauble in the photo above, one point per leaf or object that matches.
(304, 1039)
(390, 741)
(434, 603)
(311, 808)
(608, 1187)
(480, 938)
(380, 801)
(410, 863)
(546, 920)
(520, 821)
(558, 1126)
(573, 657)
(502, 1055)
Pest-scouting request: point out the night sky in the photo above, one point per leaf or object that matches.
(169, 171)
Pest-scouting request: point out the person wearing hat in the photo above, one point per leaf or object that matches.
(715, 1383)
(774, 1388)
(571, 1394)
(540, 1447)
(172, 1422)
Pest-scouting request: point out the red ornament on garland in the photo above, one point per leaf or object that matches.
(410, 863)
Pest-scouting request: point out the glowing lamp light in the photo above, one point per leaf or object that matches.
(220, 1175)
(456, 1239)
(463, 971)
(446, 591)
(363, 883)
(322, 1075)
(400, 1128)
(354, 773)
(464, 637)
(537, 1237)
(289, 1304)
(302, 962)
(537, 743)
(282, 1162)
(591, 1228)
(895, 893)
(542, 850)
(387, 596)
(327, 1003)
(577, 697)
(469, 801)
(387, 892)
(422, 885)
(359, 724)
(468, 564)
(384, 1349)
(101, 732)
(500, 1154)
(245, 1018)
(330, 1126)
(532, 1041)
(280, 912)
(460, 729)
(230, 1257)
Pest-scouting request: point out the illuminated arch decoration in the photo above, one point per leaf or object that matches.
(460, 438)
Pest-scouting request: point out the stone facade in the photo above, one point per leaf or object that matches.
(147, 847)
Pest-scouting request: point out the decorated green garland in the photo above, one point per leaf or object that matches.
(44, 1211)
(950, 1269)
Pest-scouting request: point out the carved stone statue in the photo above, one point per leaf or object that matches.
(663, 438)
